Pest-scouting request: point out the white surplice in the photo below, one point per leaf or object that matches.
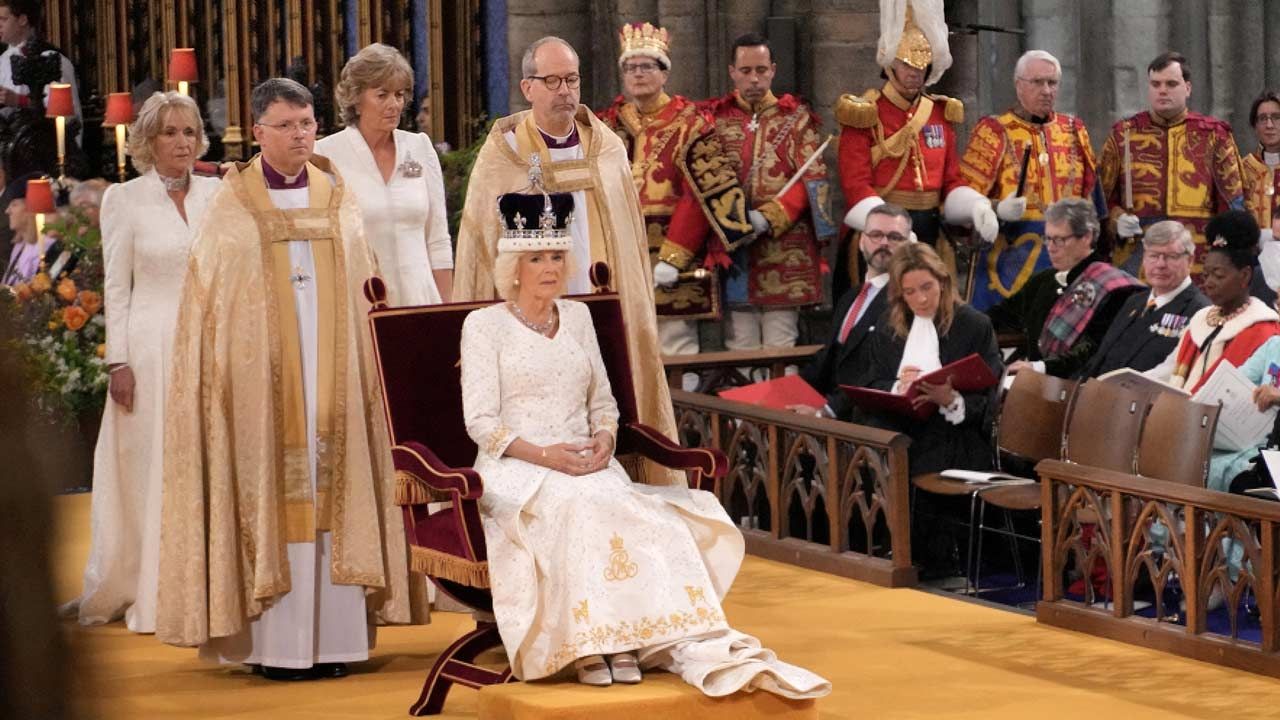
(316, 621)
(405, 220)
(596, 564)
(145, 243)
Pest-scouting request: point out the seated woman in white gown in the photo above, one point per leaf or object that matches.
(588, 568)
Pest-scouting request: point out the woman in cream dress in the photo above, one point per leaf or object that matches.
(395, 176)
(588, 568)
(147, 227)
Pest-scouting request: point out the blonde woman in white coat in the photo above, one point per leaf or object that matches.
(147, 227)
(395, 176)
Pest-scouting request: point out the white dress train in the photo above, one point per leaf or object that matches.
(144, 245)
(596, 564)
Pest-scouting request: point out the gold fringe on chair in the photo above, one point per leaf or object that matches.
(449, 567)
(411, 490)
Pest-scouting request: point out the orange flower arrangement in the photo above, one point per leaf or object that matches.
(74, 317)
(90, 301)
(101, 350)
(41, 283)
(67, 290)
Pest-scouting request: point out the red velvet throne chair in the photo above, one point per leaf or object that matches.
(417, 351)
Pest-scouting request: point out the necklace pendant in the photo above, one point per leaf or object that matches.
(299, 278)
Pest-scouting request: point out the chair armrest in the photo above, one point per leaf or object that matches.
(417, 460)
(649, 443)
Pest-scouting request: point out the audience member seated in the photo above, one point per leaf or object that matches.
(1064, 312)
(28, 250)
(1226, 467)
(844, 359)
(85, 196)
(537, 401)
(1148, 326)
(1236, 324)
(926, 327)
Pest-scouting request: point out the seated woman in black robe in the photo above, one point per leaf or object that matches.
(925, 327)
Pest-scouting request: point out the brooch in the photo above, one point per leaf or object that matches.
(1086, 294)
(410, 168)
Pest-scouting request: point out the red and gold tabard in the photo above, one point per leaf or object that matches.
(768, 143)
(1186, 169)
(903, 151)
(1060, 165)
(695, 211)
(1261, 189)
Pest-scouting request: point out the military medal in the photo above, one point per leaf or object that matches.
(410, 168)
(754, 125)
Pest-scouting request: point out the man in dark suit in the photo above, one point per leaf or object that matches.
(844, 359)
(1146, 329)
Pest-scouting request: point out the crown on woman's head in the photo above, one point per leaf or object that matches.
(645, 40)
(535, 221)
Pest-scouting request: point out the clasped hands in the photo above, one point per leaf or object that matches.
(579, 458)
(940, 394)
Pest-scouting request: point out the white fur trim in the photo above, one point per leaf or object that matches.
(645, 53)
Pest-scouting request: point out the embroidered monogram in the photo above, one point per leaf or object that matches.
(620, 565)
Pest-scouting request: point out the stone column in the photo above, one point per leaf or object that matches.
(528, 20)
(686, 21)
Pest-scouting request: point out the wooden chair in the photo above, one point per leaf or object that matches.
(1029, 428)
(1177, 440)
(417, 351)
(1104, 425)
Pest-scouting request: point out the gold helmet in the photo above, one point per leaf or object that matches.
(915, 32)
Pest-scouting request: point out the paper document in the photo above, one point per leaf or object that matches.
(978, 477)
(1272, 459)
(1134, 380)
(1240, 425)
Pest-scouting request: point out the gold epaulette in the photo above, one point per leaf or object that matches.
(858, 111)
(952, 110)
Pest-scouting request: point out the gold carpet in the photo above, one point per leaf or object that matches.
(888, 653)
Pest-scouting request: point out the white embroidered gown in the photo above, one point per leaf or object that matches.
(405, 220)
(596, 564)
(144, 246)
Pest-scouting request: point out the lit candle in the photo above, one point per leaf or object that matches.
(120, 138)
(182, 87)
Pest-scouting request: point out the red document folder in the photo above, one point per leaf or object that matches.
(777, 393)
(969, 374)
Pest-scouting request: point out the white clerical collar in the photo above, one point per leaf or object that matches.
(1061, 277)
(1163, 299)
(1272, 159)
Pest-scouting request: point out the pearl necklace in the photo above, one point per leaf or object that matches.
(177, 184)
(540, 328)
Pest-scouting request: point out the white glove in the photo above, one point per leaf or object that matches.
(759, 225)
(1128, 226)
(665, 274)
(1011, 209)
(985, 222)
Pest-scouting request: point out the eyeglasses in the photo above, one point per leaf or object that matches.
(1049, 83)
(641, 68)
(1273, 119)
(290, 127)
(879, 235)
(1157, 257)
(1059, 240)
(553, 81)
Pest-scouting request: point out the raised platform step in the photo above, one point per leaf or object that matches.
(661, 695)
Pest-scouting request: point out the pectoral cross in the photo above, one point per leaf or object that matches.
(754, 125)
(299, 278)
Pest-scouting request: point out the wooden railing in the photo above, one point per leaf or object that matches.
(813, 492)
(721, 369)
(1096, 517)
